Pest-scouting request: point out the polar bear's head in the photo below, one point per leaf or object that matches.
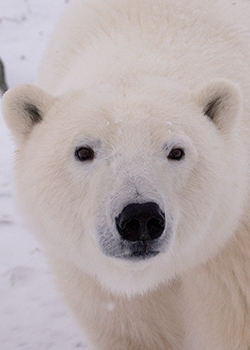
(133, 182)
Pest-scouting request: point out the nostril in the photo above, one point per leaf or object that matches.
(141, 222)
(154, 227)
(130, 230)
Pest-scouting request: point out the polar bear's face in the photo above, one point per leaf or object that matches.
(133, 183)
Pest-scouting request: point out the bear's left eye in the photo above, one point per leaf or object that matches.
(176, 154)
(84, 154)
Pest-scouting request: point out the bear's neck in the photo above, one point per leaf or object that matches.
(218, 298)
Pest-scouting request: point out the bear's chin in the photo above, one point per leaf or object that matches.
(131, 276)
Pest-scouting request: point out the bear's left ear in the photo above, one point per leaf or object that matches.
(221, 101)
(23, 107)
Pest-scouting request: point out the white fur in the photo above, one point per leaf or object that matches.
(133, 79)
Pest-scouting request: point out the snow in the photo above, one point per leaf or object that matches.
(32, 313)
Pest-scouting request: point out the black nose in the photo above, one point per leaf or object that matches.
(141, 222)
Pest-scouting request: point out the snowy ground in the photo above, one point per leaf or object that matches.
(32, 314)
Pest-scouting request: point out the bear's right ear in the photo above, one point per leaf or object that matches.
(23, 107)
(220, 100)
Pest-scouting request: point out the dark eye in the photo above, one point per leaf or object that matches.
(176, 154)
(84, 154)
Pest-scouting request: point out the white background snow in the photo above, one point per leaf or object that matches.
(32, 314)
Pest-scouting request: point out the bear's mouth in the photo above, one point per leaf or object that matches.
(113, 246)
(133, 251)
(138, 256)
(140, 250)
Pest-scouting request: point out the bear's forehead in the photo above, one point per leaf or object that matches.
(132, 113)
(120, 119)
(143, 103)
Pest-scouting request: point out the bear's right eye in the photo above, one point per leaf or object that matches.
(84, 154)
(176, 154)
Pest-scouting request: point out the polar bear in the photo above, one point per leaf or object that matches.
(132, 168)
